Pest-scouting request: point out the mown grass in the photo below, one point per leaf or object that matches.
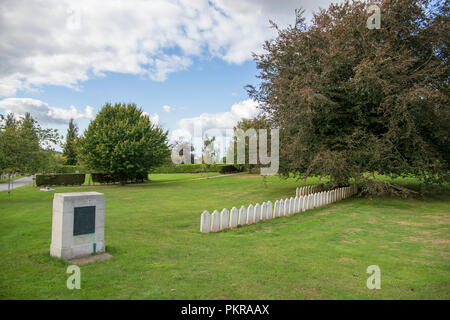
(152, 231)
(160, 177)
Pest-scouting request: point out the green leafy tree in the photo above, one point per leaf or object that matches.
(25, 147)
(351, 101)
(259, 122)
(70, 153)
(121, 141)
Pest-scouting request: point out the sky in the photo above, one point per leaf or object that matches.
(183, 62)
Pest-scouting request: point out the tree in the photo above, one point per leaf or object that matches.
(210, 153)
(70, 153)
(121, 141)
(350, 101)
(259, 122)
(25, 147)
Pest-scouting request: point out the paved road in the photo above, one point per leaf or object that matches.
(17, 183)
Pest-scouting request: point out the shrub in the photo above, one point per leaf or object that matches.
(103, 178)
(189, 168)
(108, 178)
(228, 169)
(60, 179)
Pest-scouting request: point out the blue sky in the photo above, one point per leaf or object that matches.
(183, 62)
(209, 86)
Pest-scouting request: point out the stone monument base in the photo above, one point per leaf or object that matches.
(78, 224)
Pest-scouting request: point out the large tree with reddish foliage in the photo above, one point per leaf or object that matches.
(351, 101)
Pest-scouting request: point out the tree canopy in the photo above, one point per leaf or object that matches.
(121, 141)
(25, 147)
(350, 100)
(70, 153)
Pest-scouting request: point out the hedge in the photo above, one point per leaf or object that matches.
(107, 178)
(189, 168)
(65, 179)
(228, 169)
(103, 178)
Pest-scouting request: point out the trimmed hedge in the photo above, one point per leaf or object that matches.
(228, 169)
(189, 168)
(107, 178)
(103, 178)
(66, 179)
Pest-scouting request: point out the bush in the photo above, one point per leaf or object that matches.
(228, 169)
(60, 179)
(108, 178)
(189, 168)
(103, 178)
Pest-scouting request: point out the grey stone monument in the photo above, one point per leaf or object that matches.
(78, 224)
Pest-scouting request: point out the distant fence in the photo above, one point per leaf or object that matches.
(226, 219)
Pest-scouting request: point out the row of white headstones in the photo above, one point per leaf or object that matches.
(218, 221)
(304, 191)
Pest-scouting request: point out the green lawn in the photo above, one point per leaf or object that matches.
(166, 178)
(152, 231)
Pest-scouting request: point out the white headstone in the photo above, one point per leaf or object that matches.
(264, 211)
(286, 207)
(215, 221)
(257, 215)
(275, 209)
(234, 216)
(205, 222)
(224, 219)
(295, 204)
(250, 214)
(291, 206)
(242, 216)
(300, 204)
(269, 212)
(78, 224)
(280, 208)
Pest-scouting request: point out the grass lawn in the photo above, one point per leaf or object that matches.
(161, 177)
(152, 231)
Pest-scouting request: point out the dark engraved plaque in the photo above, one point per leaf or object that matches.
(84, 220)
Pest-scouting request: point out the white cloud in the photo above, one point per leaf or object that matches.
(167, 108)
(63, 43)
(224, 120)
(44, 113)
(154, 118)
